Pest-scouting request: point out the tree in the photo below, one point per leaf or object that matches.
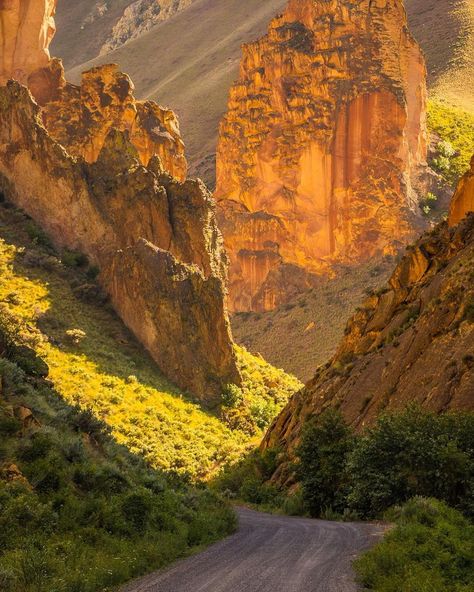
(326, 444)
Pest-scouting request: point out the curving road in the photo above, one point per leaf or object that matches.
(271, 554)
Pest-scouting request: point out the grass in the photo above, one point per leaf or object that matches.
(79, 513)
(95, 362)
(431, 549)
(456, 126)
(303, 334)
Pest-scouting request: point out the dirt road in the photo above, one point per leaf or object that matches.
(271, 554)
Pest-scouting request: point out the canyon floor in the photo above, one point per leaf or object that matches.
(271, 554)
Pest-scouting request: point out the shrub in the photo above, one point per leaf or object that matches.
(431, 549)
(324, 450)
(413, 453)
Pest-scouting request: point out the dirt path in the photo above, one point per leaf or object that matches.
(271, 554)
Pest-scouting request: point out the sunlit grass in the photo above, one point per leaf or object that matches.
(107, 370)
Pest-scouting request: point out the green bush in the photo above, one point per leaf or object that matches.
(413, 453)
(326, 444)
(431, 549)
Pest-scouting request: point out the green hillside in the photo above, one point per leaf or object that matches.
(95, 362)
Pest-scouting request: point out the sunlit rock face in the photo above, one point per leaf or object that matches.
(463, 200)
(154, 238)
(27, 28)
(82, 116)
(105, 174)
(320, 150)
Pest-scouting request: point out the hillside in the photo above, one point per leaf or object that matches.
(445, 30)
(95, 362)
(79, 512)
(99, 25)
(410, 342)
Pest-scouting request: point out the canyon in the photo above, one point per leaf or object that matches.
(410, 342)
(105, 175)
(322, 149)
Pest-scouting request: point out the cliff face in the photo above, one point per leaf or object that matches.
(27, 28)
(412, 341)
(322, 144)
(463, 200)
(154, 239)
(80, 118)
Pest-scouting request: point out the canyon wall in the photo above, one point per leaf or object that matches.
(154, 239)
(412, 341)
(105, 174)
(322, 146)
(27, 28)
(463, 199)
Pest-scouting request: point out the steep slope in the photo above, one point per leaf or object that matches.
(413, 341)
(323, 146)
(91, 27)
(445, 31)
(76, 508)
(56, 307)
(60, 476)
(108, 178)
(199, 53)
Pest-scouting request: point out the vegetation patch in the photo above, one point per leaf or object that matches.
(455, 129)
(55, 307)
(430, 549)
(78, 512)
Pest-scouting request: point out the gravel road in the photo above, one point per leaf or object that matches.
(270, 554)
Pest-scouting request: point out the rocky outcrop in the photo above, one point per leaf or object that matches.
(139, 17)
(321, 149)
(81, 117)
(27, 28)
(463, 200)
(413, 341)
(153, 237)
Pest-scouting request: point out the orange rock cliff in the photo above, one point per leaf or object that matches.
(463, 200)
(412, 341)
(322, 146)
(27, 28)
(105, 174)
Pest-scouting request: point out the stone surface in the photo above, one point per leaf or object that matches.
(27, 28)
(81, 117)
(413, 341)
(321, 149)
(463, 200)
(154, 239)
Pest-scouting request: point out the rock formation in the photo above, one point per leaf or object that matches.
(463, 200)
(321, 148)
(27, 28)
(80, 118)
(154, 239)
(413, 341)
(105, 174)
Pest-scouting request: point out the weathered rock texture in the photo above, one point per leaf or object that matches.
(81, 117)
(321, 148)
(27, 28)
(411, 342)
(154, 238)
(463, 200)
